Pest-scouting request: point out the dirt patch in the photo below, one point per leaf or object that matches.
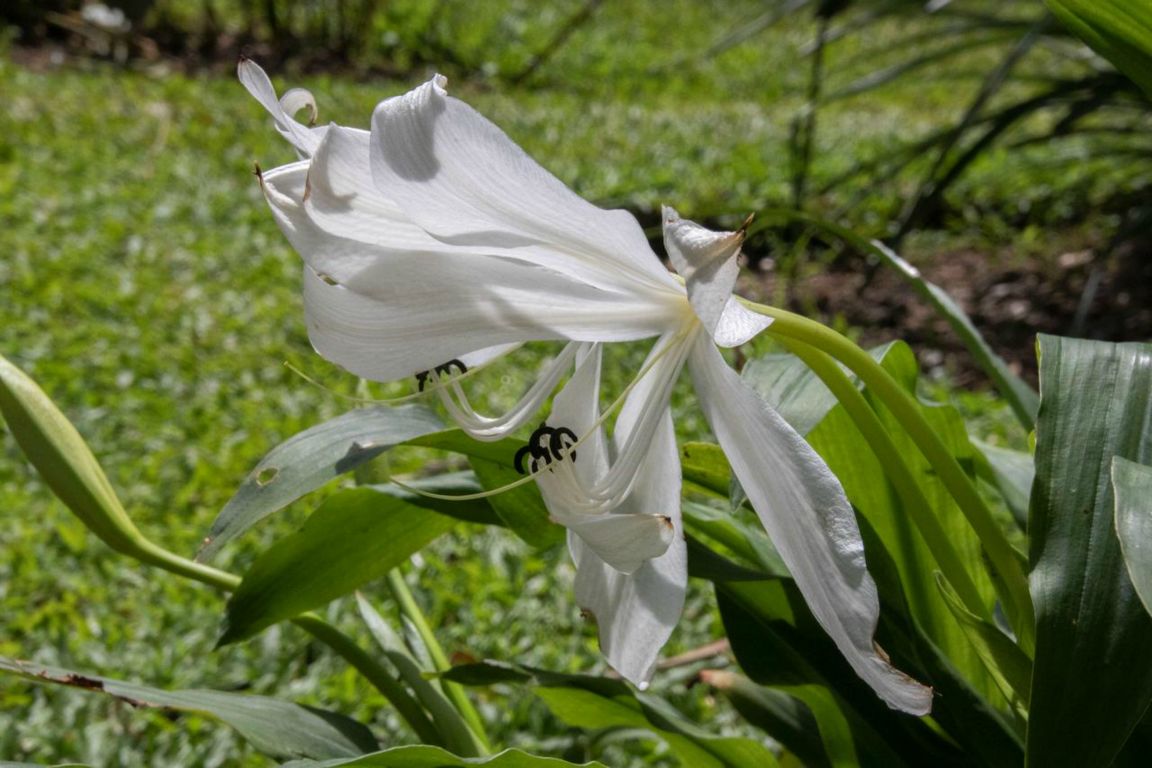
(1074, 293)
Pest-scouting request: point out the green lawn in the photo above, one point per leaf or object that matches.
(145, 286)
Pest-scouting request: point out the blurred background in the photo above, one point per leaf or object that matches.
(144, 285)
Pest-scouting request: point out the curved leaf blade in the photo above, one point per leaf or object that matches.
(353, 537)
(277, 728)
(1132, 484)
(1119, 30)
(424, 756)
(310, 459)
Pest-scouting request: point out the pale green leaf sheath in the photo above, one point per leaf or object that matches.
(434, 243)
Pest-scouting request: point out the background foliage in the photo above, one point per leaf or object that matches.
(145, 287)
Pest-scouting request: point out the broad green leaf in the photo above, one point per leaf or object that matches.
(434, 757)
(1091, 679)
(63, 459)
(705, 466)
(1119, 30)
(522, 508)
(277, 728)
(744, 538)
(353, 537)
(310, 459)
(451, 484)
(590, 710)
(1132, 484)
(794, 391)
(1009, 472)
(779, 644)
(597, 703)
(1010, 668)
(706, 563)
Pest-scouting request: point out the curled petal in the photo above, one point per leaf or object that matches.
(256, 81)
(622, 541)
(463, 180)
(707, 262)
(803, 507)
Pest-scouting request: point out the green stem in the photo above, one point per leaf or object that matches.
(454, 692)
(1003, 557)
(376, 674)
(914, 501)
(1021, 398)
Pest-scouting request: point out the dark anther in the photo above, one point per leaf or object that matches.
(561, 440)
(546, 445)
(440, 370)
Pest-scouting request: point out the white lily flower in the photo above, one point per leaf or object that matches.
(434, 243)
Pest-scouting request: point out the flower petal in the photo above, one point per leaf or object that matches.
(401, 312)
(418, 313)
(802, 506)
(623, 542)
(707, 262)
(463, 180)
(256, 81)
(637, 612)
(624, 537)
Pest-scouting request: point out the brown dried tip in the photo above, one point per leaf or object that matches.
(747, 223)
(257, 172)
(242, 58)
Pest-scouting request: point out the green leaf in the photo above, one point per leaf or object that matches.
(866, 483)
(788, 719)
(310, 459)
(794, 391)
(745, 538)
(1009, 472)
(1091, 679)
(451, 484)
(1119, 30)
(1132, 484)
(63, 459)
(522, 508)
(779, 644)
(705, 466)
(277, 728)
(597, 703)
(355, 536)
(447, 719)
(487, 672)
(1010, 668)
(594, 710)
(435, 757)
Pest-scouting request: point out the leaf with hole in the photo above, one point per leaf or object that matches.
(310, 459)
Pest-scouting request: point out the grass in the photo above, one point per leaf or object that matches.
(146, 288)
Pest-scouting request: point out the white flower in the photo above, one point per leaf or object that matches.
(434, 243)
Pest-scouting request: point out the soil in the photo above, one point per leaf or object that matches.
(1009, 299)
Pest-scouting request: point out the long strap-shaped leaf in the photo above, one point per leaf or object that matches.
(275, 727)
(1091, 677)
